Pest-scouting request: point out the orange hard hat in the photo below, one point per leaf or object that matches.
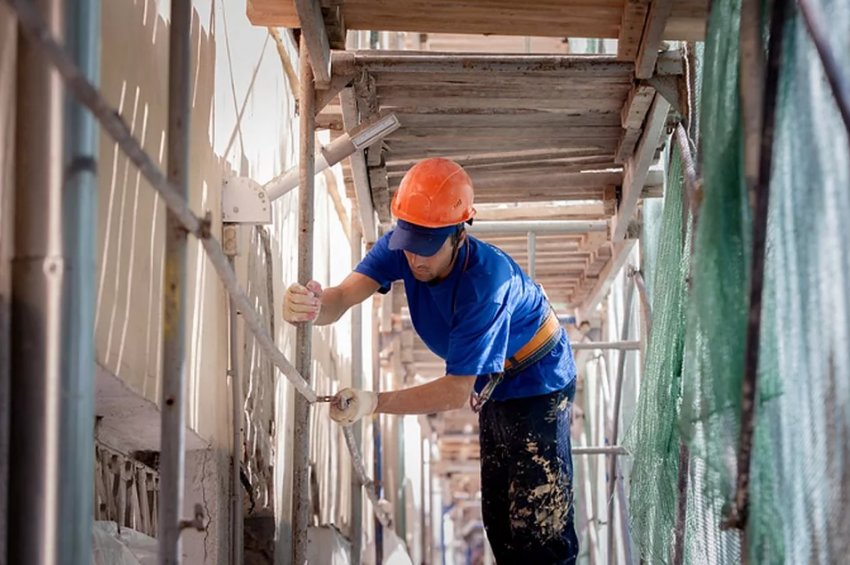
(434, 193)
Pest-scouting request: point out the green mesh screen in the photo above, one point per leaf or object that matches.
(800, 486)
(654, 436)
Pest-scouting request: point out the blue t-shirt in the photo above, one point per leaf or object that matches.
(475, 318)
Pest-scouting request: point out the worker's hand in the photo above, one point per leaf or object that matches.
(351, 404)
(302, 303)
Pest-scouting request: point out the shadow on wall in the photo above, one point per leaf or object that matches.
(131, 219)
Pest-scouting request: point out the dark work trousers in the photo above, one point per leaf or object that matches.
(527, 479)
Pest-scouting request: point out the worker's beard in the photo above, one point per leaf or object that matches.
(434, 276)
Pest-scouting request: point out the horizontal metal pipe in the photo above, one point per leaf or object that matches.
(342, 147)
(609, 450)
(618, 345)
(545, 226)
(108, 117)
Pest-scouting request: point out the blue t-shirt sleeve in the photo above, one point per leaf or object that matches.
(381, 264)
(479, 339)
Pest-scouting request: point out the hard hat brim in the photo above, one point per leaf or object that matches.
(419, 240)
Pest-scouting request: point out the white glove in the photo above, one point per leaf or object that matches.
(351, 404)
(302, 303)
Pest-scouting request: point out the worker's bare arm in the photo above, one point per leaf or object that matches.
(336, 300)
(446, 393)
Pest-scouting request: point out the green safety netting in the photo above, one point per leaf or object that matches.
(800, 485)
(654, 436)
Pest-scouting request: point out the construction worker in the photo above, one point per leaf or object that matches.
(504, 348)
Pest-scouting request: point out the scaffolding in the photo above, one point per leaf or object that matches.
(39, 284)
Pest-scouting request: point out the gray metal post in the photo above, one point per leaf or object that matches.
(356, 382)
(615, 423)
(236, 406)
(303, 350)
(80, 219)
(173, 431)
(38, 270)
(532, 251)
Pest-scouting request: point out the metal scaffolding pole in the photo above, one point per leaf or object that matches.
(532, 254)
(236, 519)
(613, 470)
(540, 227)
(38, 269)
(80, 229)
(356, 519)
(172, 401)
(618, 345)
(303, 350)
(377, 455)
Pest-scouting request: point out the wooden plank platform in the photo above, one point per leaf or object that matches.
(542, 18)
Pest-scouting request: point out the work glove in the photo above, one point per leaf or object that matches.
(351, 404)
(302, 303)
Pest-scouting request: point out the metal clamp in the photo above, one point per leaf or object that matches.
(196, 523)
(477, 401)
(244, 201)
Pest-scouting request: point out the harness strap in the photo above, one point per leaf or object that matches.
(539, 346)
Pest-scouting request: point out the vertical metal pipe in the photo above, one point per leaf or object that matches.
(615, 422)
(680, 531)
(532, 252)
(376, 437)
(37, 310)
(8, 61)
(172, 403)
(303, 350)
(80, 229)
(235, 479)
(424, 458)
(356, 382)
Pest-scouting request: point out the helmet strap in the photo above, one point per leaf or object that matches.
(455, 252)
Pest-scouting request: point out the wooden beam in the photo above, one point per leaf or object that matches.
(505, 101)
(330, 119)
(670, 62)
(632, 117)
(401, 148)
(312, 25)
(359, 173)
(559, 181)
(637, 167)
(325, 97)
(515, 132)
(489, 158)
(631, 29)
(489, 118)
(620, 255)
(653, 33)
(562, 66)
(334, 24)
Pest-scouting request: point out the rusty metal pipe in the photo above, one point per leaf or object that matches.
(303, 334)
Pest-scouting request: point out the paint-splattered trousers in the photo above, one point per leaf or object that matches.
(527, 479)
